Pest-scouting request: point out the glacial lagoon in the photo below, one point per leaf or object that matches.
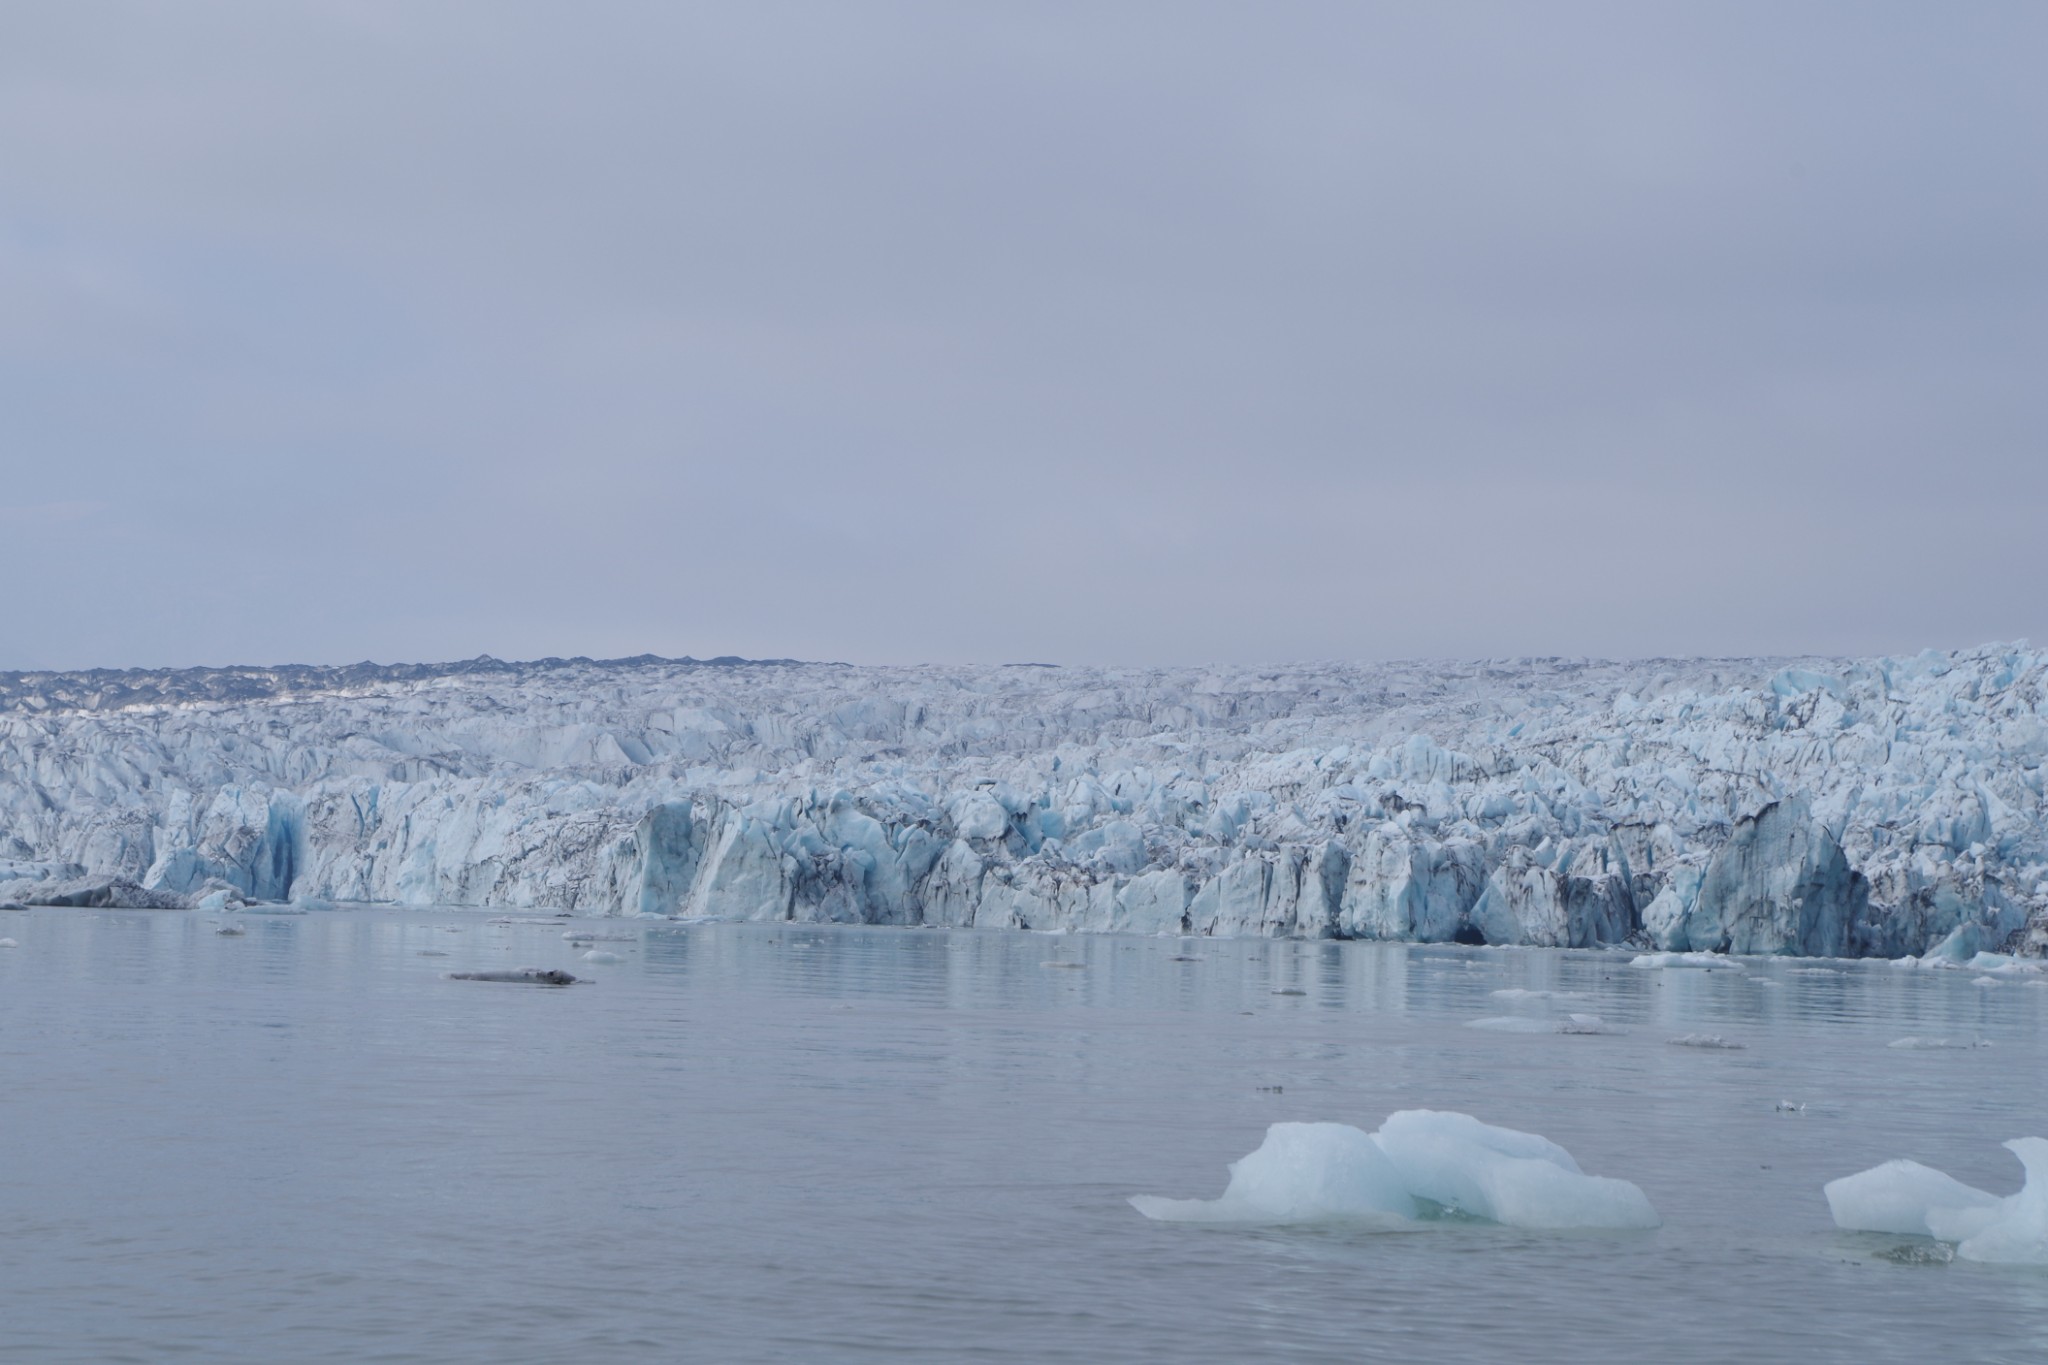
(781, 1142)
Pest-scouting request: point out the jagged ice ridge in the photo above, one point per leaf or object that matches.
(1822, 807)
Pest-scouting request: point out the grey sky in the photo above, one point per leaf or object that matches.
(1089, 332)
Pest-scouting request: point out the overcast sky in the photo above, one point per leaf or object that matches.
(986, 332)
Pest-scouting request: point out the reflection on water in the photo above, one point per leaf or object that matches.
(795, 1142)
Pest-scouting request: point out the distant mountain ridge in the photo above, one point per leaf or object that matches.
(110, 689)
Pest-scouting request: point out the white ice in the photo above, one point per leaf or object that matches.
(1907, 1198)
(1332, 1172)
(1301, 1173)
(1708, 960)
(1505, 1176)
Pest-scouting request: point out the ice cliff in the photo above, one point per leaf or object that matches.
(1882, 806)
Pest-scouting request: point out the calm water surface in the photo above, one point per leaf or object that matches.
(792, 1143)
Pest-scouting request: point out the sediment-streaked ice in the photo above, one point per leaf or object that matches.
(1910, 1199)
(1335, 1173)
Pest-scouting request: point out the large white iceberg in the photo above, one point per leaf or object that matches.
(1913, 1200)
(1335, 1173)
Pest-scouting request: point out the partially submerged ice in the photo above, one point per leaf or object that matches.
(1335, 1173)
(1886, 806)
(1913, 1200)
(1301, 1173)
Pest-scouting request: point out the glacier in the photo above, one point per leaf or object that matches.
(1808, 806)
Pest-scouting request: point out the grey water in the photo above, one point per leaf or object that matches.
(796, 1143)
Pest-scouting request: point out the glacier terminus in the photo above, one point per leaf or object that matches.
(1813, 806)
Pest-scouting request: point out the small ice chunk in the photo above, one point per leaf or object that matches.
(1705, 960)
(1519, 993)
(2003, 964)
(1915, 1043)
(8, 943)
(1301, 1173)
(1512, 1023)
(1706, 1040)
(1522, 1023)
(599, 955)
(1519, 1179)
(1912, 1200)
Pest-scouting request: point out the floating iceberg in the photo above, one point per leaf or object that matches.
(1301, 1173)
(1705, 960)
(1907, 1198)
(1335, 1173)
